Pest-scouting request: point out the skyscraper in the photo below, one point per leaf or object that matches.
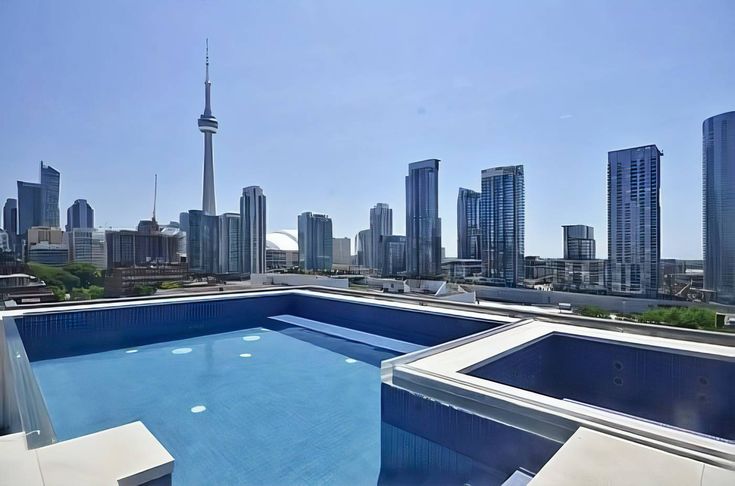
(633, 216)
(502, 224)
(315, 242)
(229, 243)
(184, 221)
(87, 245)
(394, 255)
(50, 182)
(30, 211)
(468, 224)
(423, 225)
(253, 231)
(363, 247)
(79, 215)
(341, 251)
(208, 126)
(202, 242)
(718, 171)
(10, 221)
(579, 242)
(381, 224)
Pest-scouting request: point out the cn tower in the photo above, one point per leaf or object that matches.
(208, 126)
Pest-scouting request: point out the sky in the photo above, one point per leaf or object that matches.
(325, 103)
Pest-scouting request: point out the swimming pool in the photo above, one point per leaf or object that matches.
(255, 406)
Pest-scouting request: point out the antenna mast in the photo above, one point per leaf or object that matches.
(155, 195)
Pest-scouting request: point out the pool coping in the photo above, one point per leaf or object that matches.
(440, 373)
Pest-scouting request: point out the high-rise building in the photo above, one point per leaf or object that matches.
(381, 224)
(29, 206)
(423, 225)
(363, 247)
(468, 224)
(10, 222)
(88, 245)
(315, 242)
(208, 126)
(341, 251)
(718, 171)
(633, 220)
(253, 231)
(144, 246)
(202, 242)
(50, 182)
(579, 242)
(184, 221)
(394, 255)
(502, 224)
(229, 243)
(79, 215)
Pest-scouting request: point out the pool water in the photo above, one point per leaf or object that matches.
(283, 405)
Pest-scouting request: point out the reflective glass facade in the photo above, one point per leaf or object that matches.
(29, 206)
(79, 215)
(579, 242)
(468, 224)
(502, 224)
(423, 225)
(50, 181)
(718, 170)
(315, 242)
(394, 255)
(633, 220)
(228, 260)
(202, 242)
(381, 224)
(252, 220)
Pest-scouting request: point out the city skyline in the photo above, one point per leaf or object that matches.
(246, 155)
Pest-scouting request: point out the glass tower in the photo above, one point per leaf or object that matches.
(718, 170)
(79, 215)
(633, 220)
(315, 242)
(29, 206)
(502, 224)
(579, 242)
(381, 224)
(50, 181)
(468, 224)
(228, 260)
(252, 221)
(423, 225)
(202, 242)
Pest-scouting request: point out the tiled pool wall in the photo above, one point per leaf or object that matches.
(66, 333)
(500, 448)
(688, 391)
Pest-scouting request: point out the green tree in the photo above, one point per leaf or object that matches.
(594, 311)
(96, 292)
(80, 294)
(85, 272)
(59, 292)
(691, 317)
(53, 276)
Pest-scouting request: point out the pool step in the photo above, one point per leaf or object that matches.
(518, 478)
(351, 334)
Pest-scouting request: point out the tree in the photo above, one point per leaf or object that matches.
(141, 290)
(96, 292)
(54, 277)
(85, 272)
(80, 294)
(58, 292)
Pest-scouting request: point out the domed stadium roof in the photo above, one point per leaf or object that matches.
(286, 240)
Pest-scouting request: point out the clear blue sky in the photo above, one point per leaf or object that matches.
(324, 104)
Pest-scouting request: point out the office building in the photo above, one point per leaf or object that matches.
(718, 173)
(184, 221)
(10, 221)
(143, 247)
(5, 242)
(633, 221)
(208, 126)
(50, 183)
(88, 245)
(79, 215)
(394, 255)
(202, 242)
(315, 242)
(39, 234)
(579, 242)
(502, 225)
(341, 251)
(583, 275)
(52, 254)
(461, 268)
(364, 247)
(253, 231)
(423, 225)
(381, 224)
(228, 246)
(468, 224)
(29, 206)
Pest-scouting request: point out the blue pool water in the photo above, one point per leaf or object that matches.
(298, 407)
